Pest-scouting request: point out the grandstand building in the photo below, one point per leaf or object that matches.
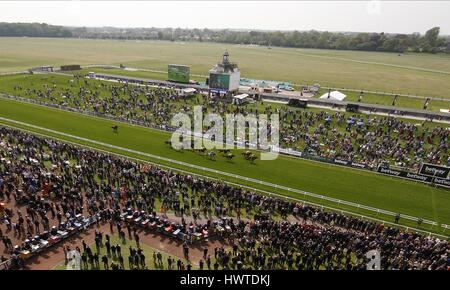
(224, 77)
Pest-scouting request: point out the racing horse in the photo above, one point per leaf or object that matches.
(201, 150)
(229, 156)
(211, 154)
(115, 129)
(249, 156)
(224, 151)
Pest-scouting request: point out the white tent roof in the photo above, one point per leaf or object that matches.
(241, 96)
(335, 95)
(189, 90)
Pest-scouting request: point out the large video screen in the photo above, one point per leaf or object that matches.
(178, 73)
(219, 81)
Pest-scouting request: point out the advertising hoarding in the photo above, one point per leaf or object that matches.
(434, 170)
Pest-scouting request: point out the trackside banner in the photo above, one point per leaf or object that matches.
(335, 161)
(434, 170)
(442, 181)
(350, 163)
(415, 176)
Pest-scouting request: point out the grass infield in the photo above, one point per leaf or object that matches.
(410, 73)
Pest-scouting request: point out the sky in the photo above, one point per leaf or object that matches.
(360, 16)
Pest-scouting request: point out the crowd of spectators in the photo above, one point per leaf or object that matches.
(45, 182)
(349, 136)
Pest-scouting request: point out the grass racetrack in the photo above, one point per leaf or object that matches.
(353, 185)
(410, 73)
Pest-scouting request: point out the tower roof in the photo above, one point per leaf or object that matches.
(226, 66)
(225, 58)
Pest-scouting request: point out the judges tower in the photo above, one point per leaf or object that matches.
(224, 77)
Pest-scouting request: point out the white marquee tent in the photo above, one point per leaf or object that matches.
(334, 95)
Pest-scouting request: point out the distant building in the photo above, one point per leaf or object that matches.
(44, 68)
(224, 77)
(70, 67)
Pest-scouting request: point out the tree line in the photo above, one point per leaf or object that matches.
(431, 41)
(33, 30)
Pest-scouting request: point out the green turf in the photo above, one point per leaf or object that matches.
(411, 73)
(60, 85)
(348, 184)
(386, 100)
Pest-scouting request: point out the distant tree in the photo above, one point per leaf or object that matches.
(430, 42)
(432, 36)
(33, 30)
